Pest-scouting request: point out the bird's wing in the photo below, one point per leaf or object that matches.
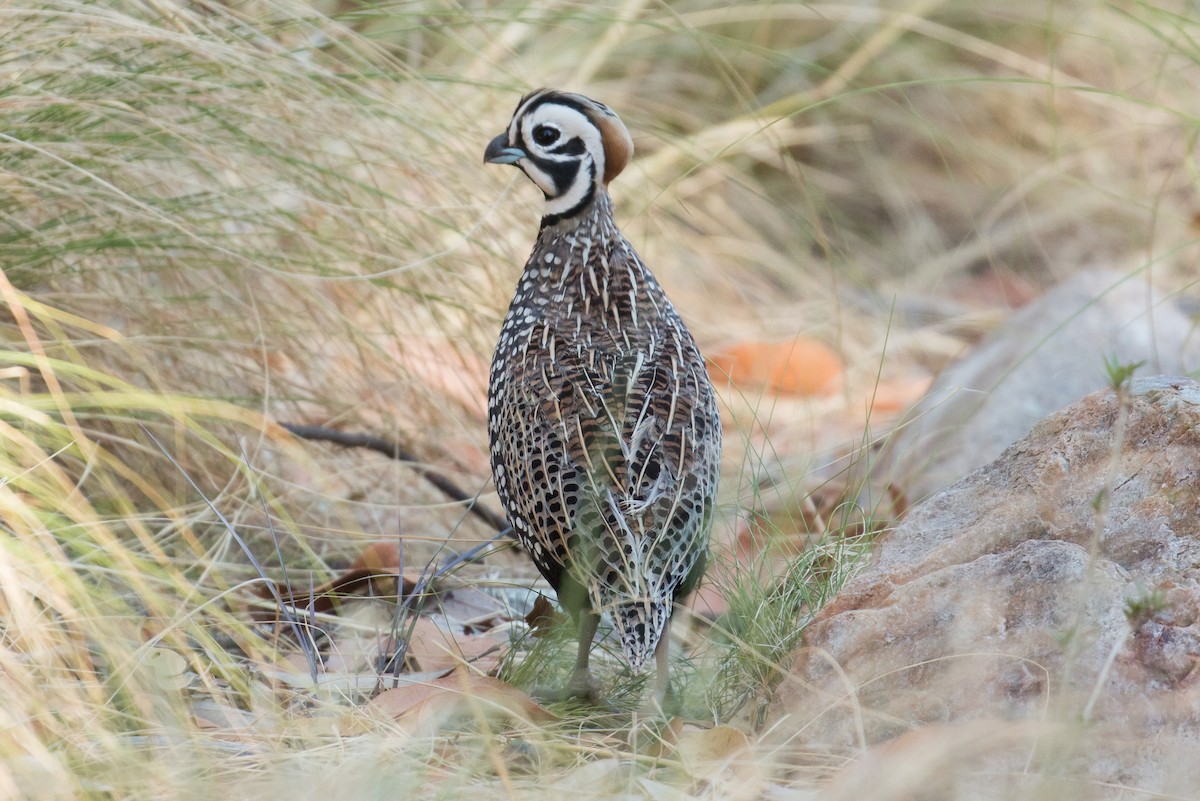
(639, 437)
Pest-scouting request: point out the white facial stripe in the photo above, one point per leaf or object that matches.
(544, 182)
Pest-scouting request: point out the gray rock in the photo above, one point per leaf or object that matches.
(1049, 354)
(1051, 598)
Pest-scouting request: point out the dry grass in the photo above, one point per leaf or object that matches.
(213, 217)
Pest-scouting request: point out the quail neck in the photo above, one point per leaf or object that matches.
(582, 269)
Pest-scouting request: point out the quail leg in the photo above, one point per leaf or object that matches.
(656, 712)
(582, 684)
(662, 661)
(664, 702)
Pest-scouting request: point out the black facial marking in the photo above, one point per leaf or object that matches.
(553, 97)
(572, 147)
(551, 219)
(563, 173)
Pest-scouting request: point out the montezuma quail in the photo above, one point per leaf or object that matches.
(604, 432)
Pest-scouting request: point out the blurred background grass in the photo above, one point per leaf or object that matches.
(215, 216)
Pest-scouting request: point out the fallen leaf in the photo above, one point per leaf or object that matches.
(897, 394)
(398, 701)
(485, 652)
(799, 366)
(433, 647)
(375, 573)
(460, 695)
(654, 738)
(474, 610)
(542, 616)
(381, 556)
(170, 669)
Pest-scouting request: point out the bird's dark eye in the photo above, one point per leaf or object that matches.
(545, 135)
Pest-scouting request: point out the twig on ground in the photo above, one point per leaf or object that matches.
(395, 451)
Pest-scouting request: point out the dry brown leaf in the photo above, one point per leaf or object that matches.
(432, 647)
(295, 662)
(484, 652)
(541, 617)
(375, 573)
(456, 696)
(898, 394)
(473, 609)
(397, 701)
(380, 556)
(662, 740)
(799, 366)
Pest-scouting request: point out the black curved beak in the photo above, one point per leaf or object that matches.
(498, 152)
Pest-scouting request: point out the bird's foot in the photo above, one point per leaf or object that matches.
(583, 685)
(664, 704)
